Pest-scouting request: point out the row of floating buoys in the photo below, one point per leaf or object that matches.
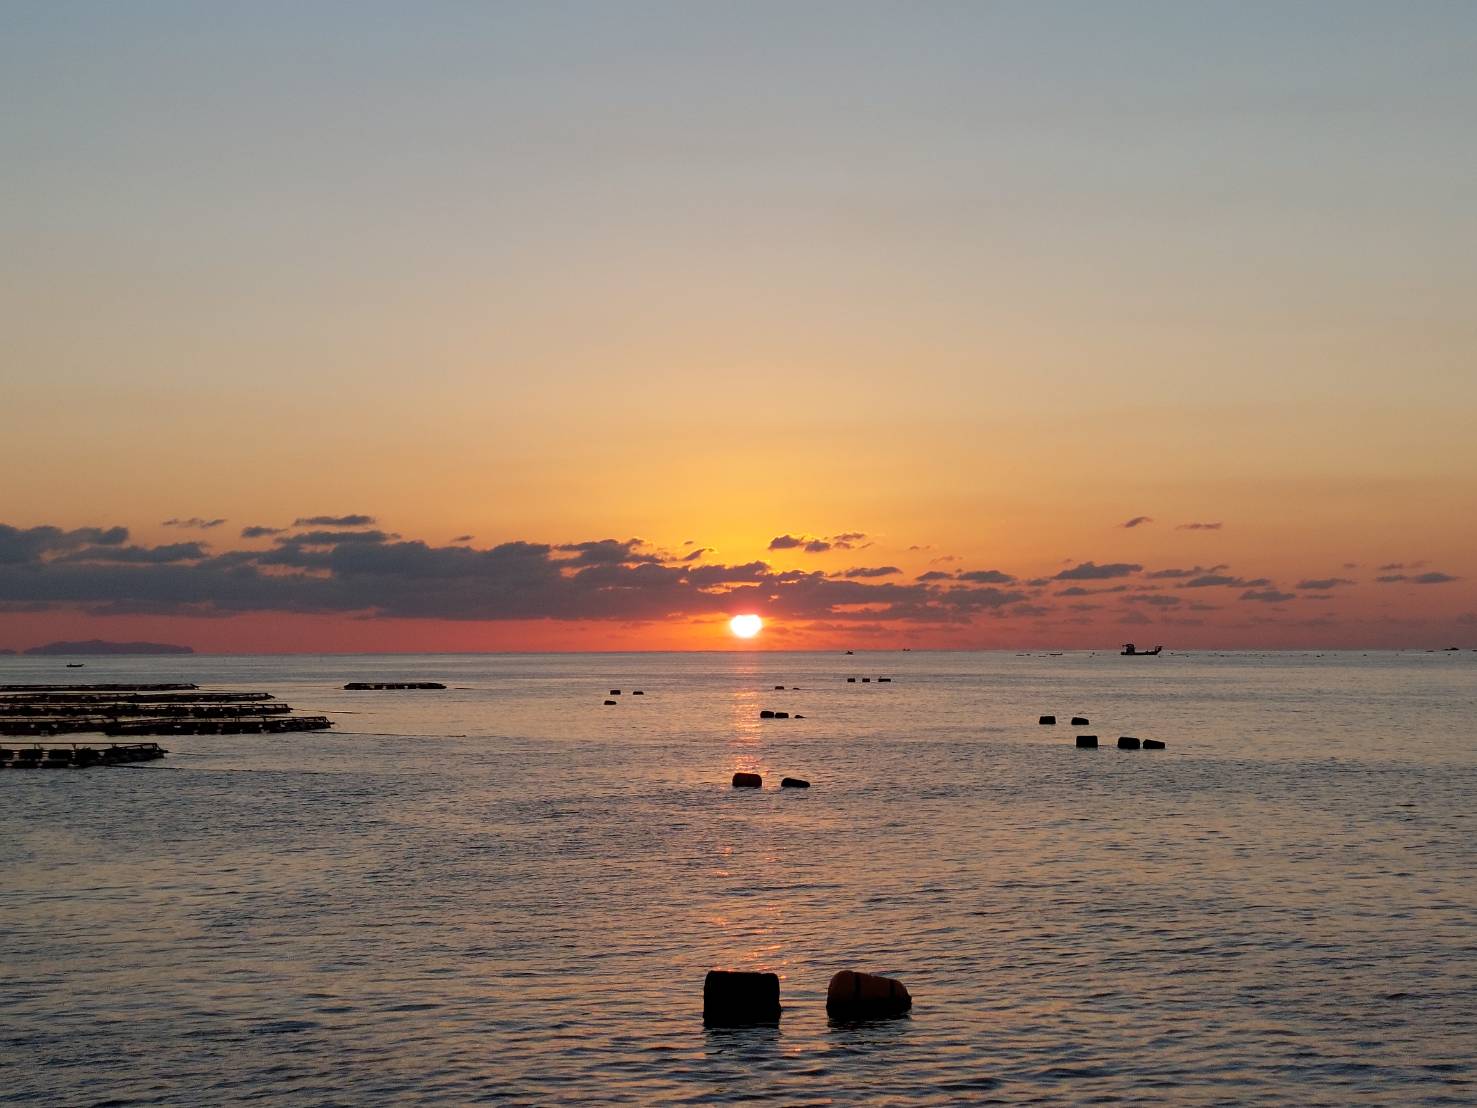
(617, 692)
(868, 680)
(1125, 742)
(1050, 721)
(733, 998)
(742, 780)
(768, 714)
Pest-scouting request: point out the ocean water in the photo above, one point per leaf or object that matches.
(509, 892)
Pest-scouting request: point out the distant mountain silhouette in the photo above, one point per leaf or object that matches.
(101, 646)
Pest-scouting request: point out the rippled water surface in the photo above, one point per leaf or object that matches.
(510, 892)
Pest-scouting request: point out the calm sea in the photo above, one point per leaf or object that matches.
(510, 892)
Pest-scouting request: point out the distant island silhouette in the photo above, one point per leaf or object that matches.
(102, 646)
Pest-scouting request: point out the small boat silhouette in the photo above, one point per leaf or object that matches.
(1130, 649)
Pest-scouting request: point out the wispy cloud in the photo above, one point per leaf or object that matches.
(1136, 521)
(1199, 527)
(352, 520)
(1090, 571)
(194, 523)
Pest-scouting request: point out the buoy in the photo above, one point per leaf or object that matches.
(794, 783)
(637, 692)
(798, 716)
(1047, 719)
(853, 995)
(1153, 744)
(615, 692)
(851, 680)
(747, 781)
(735, 997)
(1087, 742)
(766, 714)
(1079, 721)
(885, 680)
(782, 715)
(779, 688)
(1127, 742)
(610, 702)
(866, 680)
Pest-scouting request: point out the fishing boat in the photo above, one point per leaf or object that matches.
(1130, 649)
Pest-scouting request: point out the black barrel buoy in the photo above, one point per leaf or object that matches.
(1127, 742)
(782, 715)
(1087, 742)
(794, 783)
(1153, 744)
(747, 780)
(736, 997)
(779, 688)
(866, 680)
(851, 680)
(853, 995)
(1079, 721)
(637, 692)
(615, 692)
(1047, 719)
(766, 714)
(884, 680)
(610, 702)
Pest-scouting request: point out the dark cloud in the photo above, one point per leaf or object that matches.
(194, 522)
(31, 544)
(847, 540)
(372, 573)
(1090, 571)
(464, 538)
(1432, 578)
(354, 520)
(173, 552)
(1079, 590)
(1214, 580)
(1268, 596)
(1158, 600)
(1193, 571)
(694, 555)
(259, 532)
(1322, 584)
(869, 571)
(1199, 527)
(934, 575)
(1136, 521)
(817, 546)
(785, 542)
(986, 577)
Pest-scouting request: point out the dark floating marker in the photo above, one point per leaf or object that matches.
(853, 995)
(766, 714)
(798, 716)
(1079, 721)
(1047, 719)
(794, 783)
(610, 702)
(884, 680)
(1087, 742)
(637, 692)
(1127, 742)
(377, 686)
(782, 715)
(615, 692)
(747, 781)
(733, 998)
(1153, 744)
(779, 688)
(851, 680)
(866, 680)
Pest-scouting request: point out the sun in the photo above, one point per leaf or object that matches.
(745, 627)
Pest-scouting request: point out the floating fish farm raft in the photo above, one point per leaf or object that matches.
(133, 711)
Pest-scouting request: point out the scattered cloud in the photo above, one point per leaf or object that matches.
(1158, 600)
(194, 523)
(1431, 578)
(1136, 521)
(785, 542)
(1090, 571)
(353, 520)
(694, 555)
(1267, 596)
(817, 546)
(1193, 571)
(869, 571)
(256, 531)
(1199, 527)
(464, 538)
(934, 575)
(1323, 584)
(986, 577)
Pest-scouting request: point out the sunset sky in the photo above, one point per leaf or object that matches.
(589, 325)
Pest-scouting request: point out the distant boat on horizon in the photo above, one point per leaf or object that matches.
(1131, 650)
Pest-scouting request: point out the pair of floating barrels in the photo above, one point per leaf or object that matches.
(754, 781)
(1049, 721)
(1125, 742)
(868, 680)
(732, 998)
